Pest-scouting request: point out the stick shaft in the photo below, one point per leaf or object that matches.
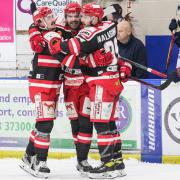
(169, 53)
(161, 87)
(153, 71)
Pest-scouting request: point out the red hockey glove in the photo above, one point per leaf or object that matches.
(36, 40)
(53, 39)
(101, 58)
(125, 71)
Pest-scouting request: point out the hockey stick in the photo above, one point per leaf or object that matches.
(160, 87)
(169, 53)
(153, 71)
(33, 7)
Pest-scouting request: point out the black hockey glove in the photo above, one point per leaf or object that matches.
(173, 25)
(175, 75)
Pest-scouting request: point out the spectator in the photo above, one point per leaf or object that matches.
(131, 48)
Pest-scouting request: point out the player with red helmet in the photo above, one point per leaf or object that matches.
(75, 94)
(73, 78)
(97, 46)
(45, 80)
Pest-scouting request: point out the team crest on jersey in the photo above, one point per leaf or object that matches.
(87, 33)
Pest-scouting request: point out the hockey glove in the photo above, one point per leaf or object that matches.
(36, 40)
(53, 39)
(125, 71)
(175, 75)
(173, 25)
(101, 58)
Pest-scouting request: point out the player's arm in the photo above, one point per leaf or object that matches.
(35, 38)
(125, 69)
(174, 27)
(75, 46)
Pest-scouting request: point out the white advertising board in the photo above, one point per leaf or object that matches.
(171, 120)
(17, 117)
(24, 18)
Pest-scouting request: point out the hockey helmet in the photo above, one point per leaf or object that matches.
(40, 13)
(92, 9)
(72, 8)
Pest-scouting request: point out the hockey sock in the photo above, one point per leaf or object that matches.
(30, 150)
(117, 152)
(84, 138)
(42, 139)
(74, 129)
(104, 141)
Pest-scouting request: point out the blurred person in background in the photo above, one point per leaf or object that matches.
(174, 27)
(131, 48)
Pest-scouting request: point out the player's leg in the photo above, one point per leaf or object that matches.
(117, 151)
(85, 130)
(41, 143)
(101, 110)
(46, 108)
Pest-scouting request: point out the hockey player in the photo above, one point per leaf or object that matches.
(174, 27)
(75, 95)
(45, 80)
(97, 45)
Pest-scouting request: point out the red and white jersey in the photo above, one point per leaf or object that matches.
(46, 71)
(90, 39)
(70, 61)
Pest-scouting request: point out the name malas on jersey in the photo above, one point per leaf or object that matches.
(106, 36)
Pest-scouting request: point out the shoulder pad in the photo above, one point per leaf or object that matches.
(88, 33)
(106, 24)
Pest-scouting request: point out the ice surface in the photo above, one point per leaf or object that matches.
(65, 170)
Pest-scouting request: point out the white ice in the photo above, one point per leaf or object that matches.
(65, 170)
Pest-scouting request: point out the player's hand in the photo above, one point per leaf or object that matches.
(125, 71)
(173, 25)
(53, 39)
(102, 58)
(36, 40)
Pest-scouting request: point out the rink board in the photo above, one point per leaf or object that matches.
(160, 123)
(140, 129)
(17, 116)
